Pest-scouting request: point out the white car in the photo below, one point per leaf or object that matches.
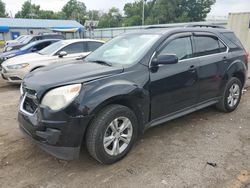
(14, 69)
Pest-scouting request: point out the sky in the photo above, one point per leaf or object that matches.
(221, 8)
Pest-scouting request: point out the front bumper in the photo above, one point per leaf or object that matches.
(57, 133)
(14, 76)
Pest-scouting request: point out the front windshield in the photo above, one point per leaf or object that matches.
(26, 39)
(28, 46)
(51, 49)
(124, 49)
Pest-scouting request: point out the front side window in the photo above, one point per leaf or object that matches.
(74, 48)
(51, 49)
(181, 47)
(207, 45)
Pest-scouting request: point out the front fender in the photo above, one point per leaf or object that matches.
(96, 97)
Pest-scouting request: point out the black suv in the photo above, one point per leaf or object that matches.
(131, 83)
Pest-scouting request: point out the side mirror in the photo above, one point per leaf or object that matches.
(62, 54)
(165, 59)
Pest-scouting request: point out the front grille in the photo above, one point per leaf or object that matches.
(29, 103)
(14, 78)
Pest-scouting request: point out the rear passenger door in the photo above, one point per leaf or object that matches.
(212, 54)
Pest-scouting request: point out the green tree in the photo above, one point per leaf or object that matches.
(2, 9)
(111, 19)
(28, 10)
(167, 11)
(194, 10)
(75, 10)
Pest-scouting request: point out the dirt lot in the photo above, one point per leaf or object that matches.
(173, 155)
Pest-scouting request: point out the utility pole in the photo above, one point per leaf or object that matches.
(143, 11)
(31, 10)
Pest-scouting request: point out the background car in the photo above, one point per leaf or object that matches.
(14, 69)
(18, 39)
(29, 48)
(31, 38)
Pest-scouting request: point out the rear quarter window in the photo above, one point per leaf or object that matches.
(232, 37)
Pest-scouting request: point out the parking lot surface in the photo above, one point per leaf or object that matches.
(174, 154)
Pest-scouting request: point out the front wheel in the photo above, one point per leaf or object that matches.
(231, 95)
(112, 134)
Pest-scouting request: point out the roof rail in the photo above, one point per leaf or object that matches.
(157, 27)
(188, 25)
(206, 25)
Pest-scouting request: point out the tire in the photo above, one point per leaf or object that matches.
(225, 104)
(107, 125)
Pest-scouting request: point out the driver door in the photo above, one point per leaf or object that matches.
(174, 87)
(74, 51)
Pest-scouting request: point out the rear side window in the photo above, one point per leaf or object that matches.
(181, 47)
(207, 45)
(92, 46)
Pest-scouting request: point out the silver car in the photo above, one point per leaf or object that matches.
(14, 69)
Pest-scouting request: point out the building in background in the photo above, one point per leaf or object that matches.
(11, 28)
(240, 24)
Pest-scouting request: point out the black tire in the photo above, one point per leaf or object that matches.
(99, 126)
(223, 104)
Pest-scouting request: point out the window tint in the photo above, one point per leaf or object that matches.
(41, 45)
(181, 47)
(206, 45)
(92, 46)
(233, 39)
(222, 46)
(74, 48)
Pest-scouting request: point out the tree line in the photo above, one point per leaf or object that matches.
(156, 12)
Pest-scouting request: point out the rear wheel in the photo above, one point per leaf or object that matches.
(231, 95)
(112, 134)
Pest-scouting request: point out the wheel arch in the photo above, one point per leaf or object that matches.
(237, 69)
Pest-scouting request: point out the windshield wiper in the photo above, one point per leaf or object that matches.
(101, 62)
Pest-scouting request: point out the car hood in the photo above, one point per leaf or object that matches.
(6, 54)
(67, 73)
(27, 58)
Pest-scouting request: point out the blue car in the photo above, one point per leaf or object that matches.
(29, 48)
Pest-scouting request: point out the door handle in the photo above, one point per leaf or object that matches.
(192, 68)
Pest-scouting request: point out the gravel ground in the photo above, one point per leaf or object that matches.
(171, 155)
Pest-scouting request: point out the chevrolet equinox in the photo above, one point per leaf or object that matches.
(133, 82)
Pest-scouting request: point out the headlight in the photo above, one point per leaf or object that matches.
(61, 97)
(18, 66)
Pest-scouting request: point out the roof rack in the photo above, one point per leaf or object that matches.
(205, 25)
(188, 25)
